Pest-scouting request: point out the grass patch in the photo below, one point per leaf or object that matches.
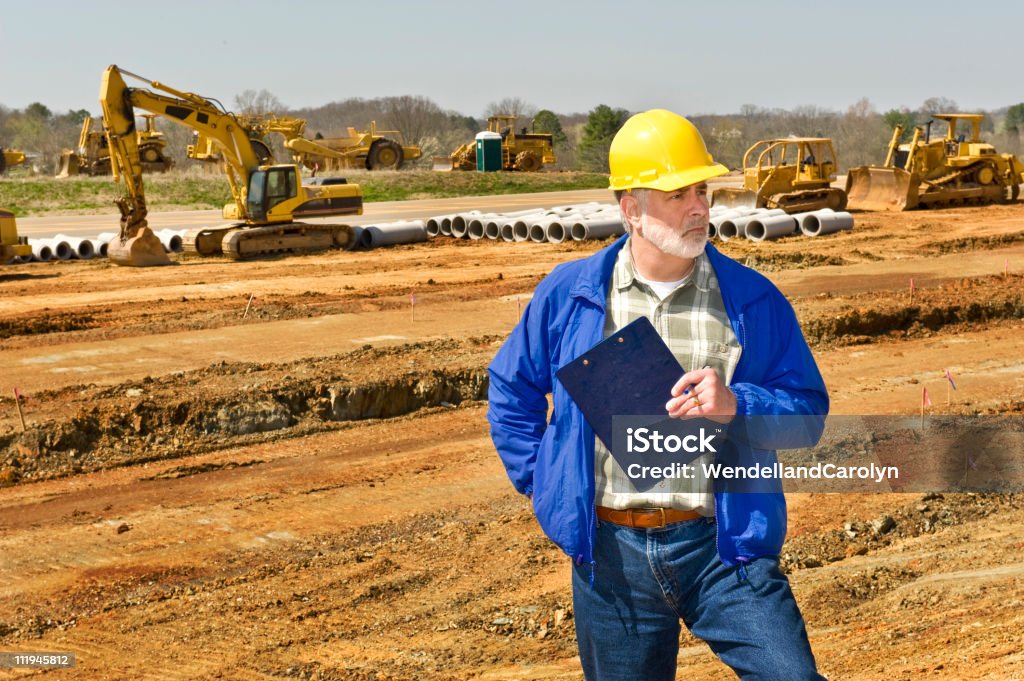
(182, 190)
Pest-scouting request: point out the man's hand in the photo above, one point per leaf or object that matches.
(701, 393)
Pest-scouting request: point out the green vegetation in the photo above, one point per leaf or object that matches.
(184, 191)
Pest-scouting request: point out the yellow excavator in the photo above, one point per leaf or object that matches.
(267, 198)
(944, 171)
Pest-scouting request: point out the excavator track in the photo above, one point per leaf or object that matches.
(206, 241)
(242, 243)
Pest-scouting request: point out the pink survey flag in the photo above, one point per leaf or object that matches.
(925, 400)
(949, 378)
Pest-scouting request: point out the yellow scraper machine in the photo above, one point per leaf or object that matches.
(794, 174)
(267, 198)
(953, 170)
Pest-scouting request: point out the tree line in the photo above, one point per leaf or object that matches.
(860, 133)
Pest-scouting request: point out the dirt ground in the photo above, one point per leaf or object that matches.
(306, 489)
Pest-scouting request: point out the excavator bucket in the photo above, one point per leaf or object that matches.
(70, 164)
(444, 163)
(142, 250)
(730, 197)
(889, 189)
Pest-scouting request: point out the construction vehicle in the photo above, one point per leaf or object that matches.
(370, 150)
(944, 171)
(267, 198)
(794, 174)
(524, 151)
(92, 156)
(11, 245)
(9, 158)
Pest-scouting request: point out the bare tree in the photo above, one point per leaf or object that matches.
(258, 103)
(934, 105)
(511, 106)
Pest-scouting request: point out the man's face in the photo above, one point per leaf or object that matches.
(677, 221)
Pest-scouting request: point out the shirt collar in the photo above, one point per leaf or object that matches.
(625, 272)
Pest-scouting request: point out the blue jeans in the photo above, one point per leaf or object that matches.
(646, 581)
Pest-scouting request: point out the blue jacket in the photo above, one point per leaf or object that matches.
(554, 462)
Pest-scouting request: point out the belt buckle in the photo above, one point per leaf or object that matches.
(661, 510)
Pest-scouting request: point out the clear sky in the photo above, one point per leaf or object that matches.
(568, 56)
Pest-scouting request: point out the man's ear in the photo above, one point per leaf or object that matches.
(630, 208)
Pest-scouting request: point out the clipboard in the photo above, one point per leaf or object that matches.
(628, 374)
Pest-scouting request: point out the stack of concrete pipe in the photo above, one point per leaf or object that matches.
(761, 224)
(542, 225)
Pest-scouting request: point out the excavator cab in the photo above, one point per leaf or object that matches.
(268, 187)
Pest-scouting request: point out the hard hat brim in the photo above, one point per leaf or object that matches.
(669, 181)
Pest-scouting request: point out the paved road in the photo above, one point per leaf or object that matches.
(384, 211)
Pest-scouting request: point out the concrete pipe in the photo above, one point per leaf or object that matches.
(99, 247)
(460, 223)
(508, 231)
(591, 228)
(521, 230)
(771, 227)
(817, 223)
(556, 232)
(393, 233)
(492, 228)
(538, 233)
(171, 239)
(434, 224)
(734, 227)
(355, 242)
(61, 249)
(523, 213)
(446, 225)
(81, 248)
(41, 250)
(712, 230)
(584, 208)
(521, 225)
(476, 228)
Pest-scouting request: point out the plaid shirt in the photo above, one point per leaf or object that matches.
(693, 323)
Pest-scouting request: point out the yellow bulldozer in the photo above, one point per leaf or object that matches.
(11, 245)
(524, 151)
(794, 174)
(92, 156)
(944, 171)
(367, 149)
(267, 198)
(10, 158)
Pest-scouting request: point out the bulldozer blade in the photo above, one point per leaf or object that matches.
(69, 165)
(142, 250)
(889, 189)
(734, 198)
(443, 164)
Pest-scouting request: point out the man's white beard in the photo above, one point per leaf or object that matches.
(667, 240)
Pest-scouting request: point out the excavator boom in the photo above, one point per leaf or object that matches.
(266, 198)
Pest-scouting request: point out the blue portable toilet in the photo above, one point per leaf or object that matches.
(488, 151)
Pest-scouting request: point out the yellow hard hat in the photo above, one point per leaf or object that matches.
(658, 149)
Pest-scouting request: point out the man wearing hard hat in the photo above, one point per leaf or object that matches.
(682, 550)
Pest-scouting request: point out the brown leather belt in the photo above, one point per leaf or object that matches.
(645, 518)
